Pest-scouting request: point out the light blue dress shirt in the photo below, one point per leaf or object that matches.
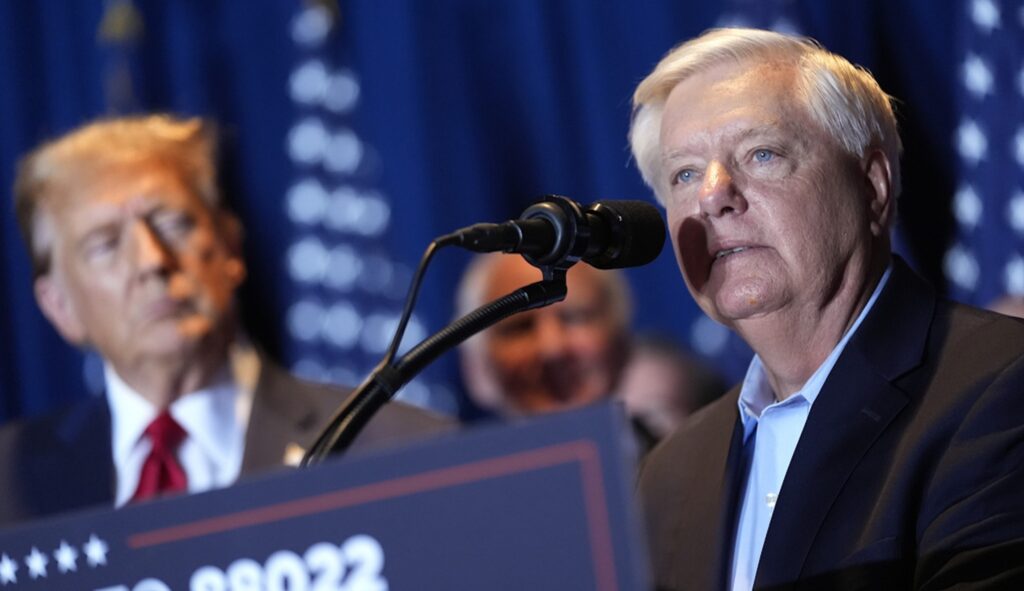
(778, 426)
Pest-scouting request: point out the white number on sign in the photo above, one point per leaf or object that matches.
(286, 572)
(354, 566)
(365, 557)
(326, 565)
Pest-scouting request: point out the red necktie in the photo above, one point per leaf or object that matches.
(161, 472)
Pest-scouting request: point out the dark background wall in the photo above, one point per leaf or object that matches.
(358, 130)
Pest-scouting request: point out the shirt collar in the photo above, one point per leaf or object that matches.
(756, 392)
(130, 414)
(215, 417)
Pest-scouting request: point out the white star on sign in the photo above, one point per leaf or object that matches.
(95, 551)
(971, 141)
(1015, 211)
(67, 557)
(8, 570)
(985, 14)
(977, 76)
(967, 206)
(36, 563)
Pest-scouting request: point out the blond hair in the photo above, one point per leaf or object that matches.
(188, 146)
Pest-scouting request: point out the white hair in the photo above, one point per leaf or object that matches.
(843, 98)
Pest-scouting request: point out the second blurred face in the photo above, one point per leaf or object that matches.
(563, 356)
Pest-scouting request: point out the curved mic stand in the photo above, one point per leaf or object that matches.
(386, 379)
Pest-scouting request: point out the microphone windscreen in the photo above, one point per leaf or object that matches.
(638, 233)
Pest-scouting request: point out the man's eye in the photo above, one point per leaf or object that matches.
(685, 176)
(514, 326)
(100, 246)
(763, 155)
(577, 316)
(172, 225)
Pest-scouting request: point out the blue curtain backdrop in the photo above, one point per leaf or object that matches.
(358, 130)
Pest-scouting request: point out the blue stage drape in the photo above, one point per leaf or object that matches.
(358, 130)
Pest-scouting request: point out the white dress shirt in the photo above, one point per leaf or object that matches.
(214, 419)
(778, 425)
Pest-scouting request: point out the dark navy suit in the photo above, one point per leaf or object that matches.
(64, 462)
(909, 472)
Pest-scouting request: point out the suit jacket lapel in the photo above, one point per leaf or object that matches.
(856, 404)
(78, 469)
(283, 416)
(710, 508)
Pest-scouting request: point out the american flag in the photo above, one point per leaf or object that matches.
(346, 288)
(987, 259)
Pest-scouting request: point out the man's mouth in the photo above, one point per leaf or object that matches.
(166, 308)
(724, 253)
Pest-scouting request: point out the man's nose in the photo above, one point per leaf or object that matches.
(552, 340)
(151, 254)
(719, 196)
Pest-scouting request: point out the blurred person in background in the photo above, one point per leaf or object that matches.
(135, 256)
(663, 384)
(559, 357)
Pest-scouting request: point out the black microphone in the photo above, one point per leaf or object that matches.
(558, 232)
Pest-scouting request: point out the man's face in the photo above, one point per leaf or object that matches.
(562, 356)
(766, 212)
(140, 269)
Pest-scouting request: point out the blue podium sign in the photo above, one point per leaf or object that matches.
(545, 504)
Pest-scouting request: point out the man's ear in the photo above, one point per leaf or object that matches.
(232, 234)
(52, 297)
(234, 268)
(878, 172)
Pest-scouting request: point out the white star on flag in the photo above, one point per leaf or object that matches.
(36, 562)
(967, 206)
(961, 267)
(1015, 211)
(1014, 276)
(977, 76)
(8, 570)
(971, 141)
(67, 557)
(95, 551)
(985, 14)
(1018, 146)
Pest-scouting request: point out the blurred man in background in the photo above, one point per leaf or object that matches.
(555, 358)
(663, 384)
(135, 256)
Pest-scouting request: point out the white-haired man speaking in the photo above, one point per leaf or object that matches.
(877, 441)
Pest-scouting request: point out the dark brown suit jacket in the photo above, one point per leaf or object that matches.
(909, 472)
(64, 462)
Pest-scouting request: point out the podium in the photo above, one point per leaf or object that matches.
(543, 504)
